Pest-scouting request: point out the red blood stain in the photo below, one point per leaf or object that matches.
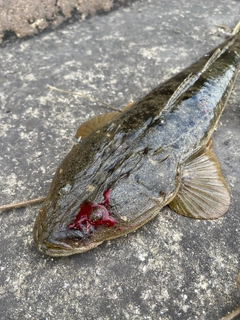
(92, 215)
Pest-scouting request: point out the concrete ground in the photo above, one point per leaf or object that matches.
(173, 267)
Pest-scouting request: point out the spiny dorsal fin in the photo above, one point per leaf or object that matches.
(211, 60)
(203, 193)
(184, 85)
(193, 77)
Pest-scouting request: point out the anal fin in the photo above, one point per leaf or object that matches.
(203, 193)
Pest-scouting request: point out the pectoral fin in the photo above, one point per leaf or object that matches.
(203, 193)
(94, 123)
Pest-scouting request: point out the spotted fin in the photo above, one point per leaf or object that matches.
(203, 193)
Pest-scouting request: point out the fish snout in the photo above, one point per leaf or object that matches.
(58, 240)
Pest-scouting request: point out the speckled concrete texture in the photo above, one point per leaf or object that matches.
(28, 17)
(173, 268)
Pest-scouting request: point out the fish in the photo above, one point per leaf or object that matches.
(125, 167)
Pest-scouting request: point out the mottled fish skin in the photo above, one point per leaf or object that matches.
(138, 157)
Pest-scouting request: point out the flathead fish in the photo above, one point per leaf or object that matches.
(126, 167)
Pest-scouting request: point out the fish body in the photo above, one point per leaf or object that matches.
(156, 152)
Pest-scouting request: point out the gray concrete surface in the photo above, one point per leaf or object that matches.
(24, 18)
(173, 267)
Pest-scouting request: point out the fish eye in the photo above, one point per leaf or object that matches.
(65, 190)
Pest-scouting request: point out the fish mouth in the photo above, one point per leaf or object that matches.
(55, 236)
(62, 249)
(50, 246)
(55, 248)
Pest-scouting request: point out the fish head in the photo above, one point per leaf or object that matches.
(74, 225)
(68, 224)
(93, 199)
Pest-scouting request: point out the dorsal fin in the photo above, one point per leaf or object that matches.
(184, 85)
(193, 77)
